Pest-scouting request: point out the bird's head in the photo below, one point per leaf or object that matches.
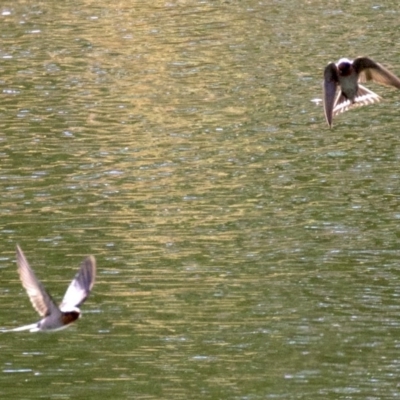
(344, 66)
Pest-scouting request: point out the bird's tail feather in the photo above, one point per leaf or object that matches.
(364, 96)
(30, 327)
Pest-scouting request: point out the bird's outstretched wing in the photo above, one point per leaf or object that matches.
(369, 70)
(40, 299)
(80, 287)
(331, 81)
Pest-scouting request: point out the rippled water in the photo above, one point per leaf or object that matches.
(244, 250)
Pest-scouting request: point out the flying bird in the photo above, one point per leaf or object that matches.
(55, 317)
(346, 75)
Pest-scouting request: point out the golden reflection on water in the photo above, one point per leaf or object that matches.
(243, 250)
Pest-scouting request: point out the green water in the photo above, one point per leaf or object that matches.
(244, 250)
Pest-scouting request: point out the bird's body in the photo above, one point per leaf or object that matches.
(54, 317)
(347, 75)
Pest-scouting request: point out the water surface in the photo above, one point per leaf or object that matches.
(244, 250)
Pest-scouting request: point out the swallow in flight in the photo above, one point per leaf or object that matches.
(53, 317)
(346, 75)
